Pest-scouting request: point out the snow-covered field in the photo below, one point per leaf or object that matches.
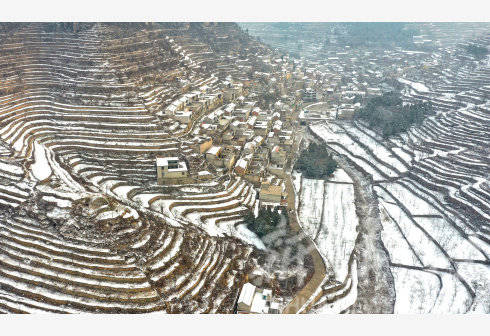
(327, 215)
(437, 262)
(416, 86)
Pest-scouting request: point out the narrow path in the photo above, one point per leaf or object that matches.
(319, 266)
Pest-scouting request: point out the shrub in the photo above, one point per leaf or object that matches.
(265, 223)
(315, 162)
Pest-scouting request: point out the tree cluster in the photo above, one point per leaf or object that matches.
(265, 223)
(388, 113)
(378, 33)
(315, 162)
(477, 51)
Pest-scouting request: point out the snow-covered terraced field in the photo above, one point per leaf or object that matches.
(328, 216)
(432, 188)
(84, 225)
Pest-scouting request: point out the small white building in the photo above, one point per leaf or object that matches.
(246, 298)
(183, 116)
(253, 300)
(170, 168)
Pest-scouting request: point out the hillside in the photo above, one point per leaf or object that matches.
(84, 227)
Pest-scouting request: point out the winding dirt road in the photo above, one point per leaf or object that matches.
(319, 266)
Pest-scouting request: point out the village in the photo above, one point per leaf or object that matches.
(251, 124)
(193, 168)
(234, 131)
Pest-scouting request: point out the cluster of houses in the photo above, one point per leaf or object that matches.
(193, 104)
(250, 142)
(344, 79)
(231, 134)
(234, 132)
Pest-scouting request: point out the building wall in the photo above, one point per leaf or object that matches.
(159, 173)
(270, 197)
(243, 308)
(166, 177)
(240, 171)
(205, 146)
(277, 171)
(172, 181)
(174, 174)
(278, 157)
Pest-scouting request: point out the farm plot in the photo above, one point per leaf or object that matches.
(327, 215)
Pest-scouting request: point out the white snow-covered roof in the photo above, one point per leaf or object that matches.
(259, 304)
(214, 150)
(183, 113)
(249, 145)
(252, 120)
(242, 163)
(247, 294)
(163, 161)
(275, 305)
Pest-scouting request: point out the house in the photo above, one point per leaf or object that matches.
(263, 116)
(244, 304)
(258, 140)
(170, 168)
(224, 123)
(274, 308)
(309, 95)
(204, 144)
(242, 114)
(230, 108)
(211, 117)
(256, 111)
(183, 116)
(270, 193)
(213, 154)
(236, 125)
(272, 140)
(242, 165)
(249, 147)
(277, 126)
(229, 94)
(251, 122)
(261, 128)
(253, 300)
(278, 155)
